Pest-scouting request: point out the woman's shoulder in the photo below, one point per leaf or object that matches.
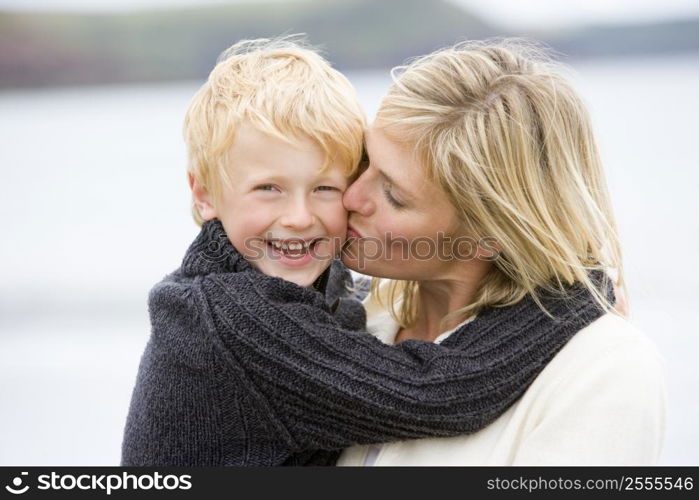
(611, 353)
(613, 336)
(603, 395)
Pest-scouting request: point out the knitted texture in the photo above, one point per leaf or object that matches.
(247, 369)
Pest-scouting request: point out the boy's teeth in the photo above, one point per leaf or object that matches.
(291, 246)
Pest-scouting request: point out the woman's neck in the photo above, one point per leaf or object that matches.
(436, 299)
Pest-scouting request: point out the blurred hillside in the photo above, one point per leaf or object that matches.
(62, 49)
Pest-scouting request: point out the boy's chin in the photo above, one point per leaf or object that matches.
(305, 283)
(304, 277)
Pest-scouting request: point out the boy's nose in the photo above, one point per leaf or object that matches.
(357, 197)
(298, 215)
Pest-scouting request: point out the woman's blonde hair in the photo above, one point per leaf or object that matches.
(510, 143)
(281, 87)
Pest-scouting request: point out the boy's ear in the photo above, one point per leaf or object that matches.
(202, 198)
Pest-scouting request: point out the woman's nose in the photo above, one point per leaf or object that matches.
(298, 215)
(357, 197)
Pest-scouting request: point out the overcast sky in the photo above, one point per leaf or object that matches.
(507, 13)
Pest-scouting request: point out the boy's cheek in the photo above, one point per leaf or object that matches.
(245, 239)
(336, 222)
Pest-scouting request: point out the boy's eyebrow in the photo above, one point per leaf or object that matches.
(284, 176)
(264, 177)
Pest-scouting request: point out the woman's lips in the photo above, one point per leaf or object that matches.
(352, 233)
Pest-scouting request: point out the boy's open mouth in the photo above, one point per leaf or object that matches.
(293, 248)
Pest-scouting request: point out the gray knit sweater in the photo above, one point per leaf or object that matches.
(247, 369)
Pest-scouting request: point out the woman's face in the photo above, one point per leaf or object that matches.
(403, 225)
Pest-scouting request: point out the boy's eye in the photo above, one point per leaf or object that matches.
(265, 187)
(327, 188)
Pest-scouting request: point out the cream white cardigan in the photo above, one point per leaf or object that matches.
(600, 401)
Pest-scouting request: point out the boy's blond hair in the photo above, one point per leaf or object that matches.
(510, 143)
(281, 87)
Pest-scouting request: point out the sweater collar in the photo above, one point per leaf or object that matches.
(212, 252)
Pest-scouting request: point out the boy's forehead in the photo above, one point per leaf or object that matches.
(257, 154)
(267, 140)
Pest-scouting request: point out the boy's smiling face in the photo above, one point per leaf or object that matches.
(278, 197)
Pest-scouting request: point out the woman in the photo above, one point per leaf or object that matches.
(488, 140)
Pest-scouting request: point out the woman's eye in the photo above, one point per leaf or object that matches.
(389, 197)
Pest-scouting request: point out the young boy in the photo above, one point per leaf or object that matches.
(273, 137)
(247, 363)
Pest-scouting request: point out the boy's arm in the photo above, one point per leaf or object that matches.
(332, 387)
(167, 416)
(187, 407)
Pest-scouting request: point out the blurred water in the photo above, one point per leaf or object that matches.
(96, 209)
